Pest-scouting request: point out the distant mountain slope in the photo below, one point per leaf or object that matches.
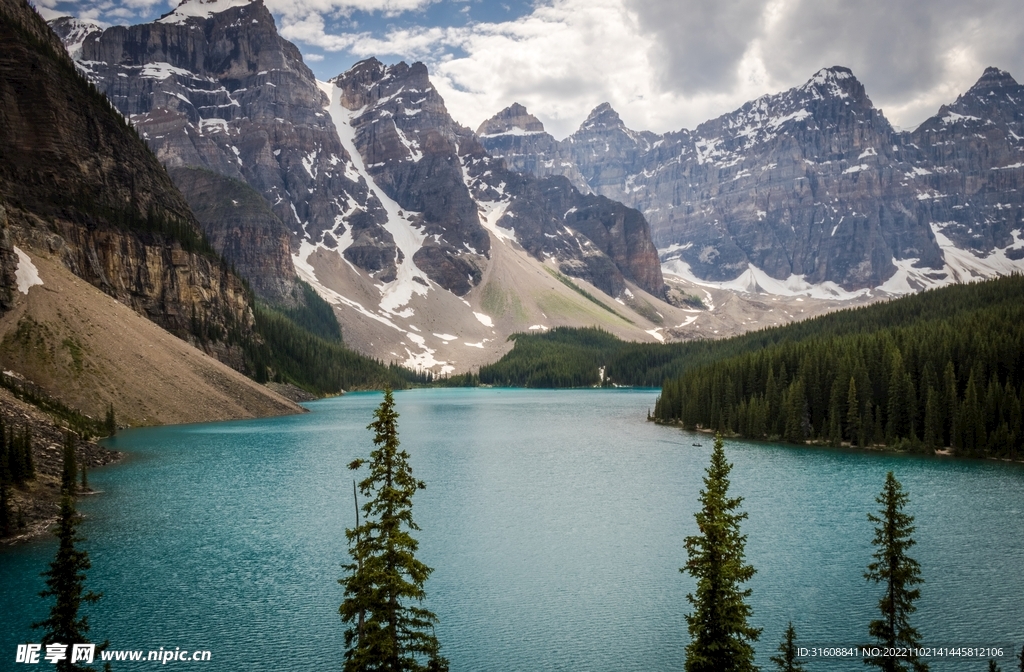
(811, 190)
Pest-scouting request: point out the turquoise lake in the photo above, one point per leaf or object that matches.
(554, 521)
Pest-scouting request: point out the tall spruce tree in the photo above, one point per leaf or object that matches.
(65, 583)
(387, 631)
(69, 469)
(109, 422)
(899, 574)
(6, 515)
(720, 636)
(787, 660)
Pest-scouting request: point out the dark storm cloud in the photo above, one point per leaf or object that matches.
(699, 44)
(906, 52)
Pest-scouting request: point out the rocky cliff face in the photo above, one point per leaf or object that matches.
(813, 186)
(519, 138)
(969, 168)
(78, 184)
(603, 146)
(589, 237)
(223, 91)
(244, 230)
(408, 144)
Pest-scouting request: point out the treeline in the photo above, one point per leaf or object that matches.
(314, 314)
(16, 463)
(563, 357)
(288, 353)
(73, 419)
(571, 357)
(940, 369)
(16, 467)
(575, 357)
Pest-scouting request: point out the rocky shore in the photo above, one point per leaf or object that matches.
(36, 503)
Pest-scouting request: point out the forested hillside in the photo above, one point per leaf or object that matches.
(941, 369)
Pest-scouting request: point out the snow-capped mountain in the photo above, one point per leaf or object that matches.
(812, 191)
(432, 251)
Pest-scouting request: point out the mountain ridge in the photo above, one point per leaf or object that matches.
(766, 196)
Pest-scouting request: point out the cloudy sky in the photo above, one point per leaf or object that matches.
(663, 64)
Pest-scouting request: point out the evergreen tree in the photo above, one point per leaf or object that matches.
(386, 632)
(64, 583)
(992, 666)
(853, 413)
(898, 416)
(69, 468)
(1020, 659)
(835, 426)
(16, 456)
(720, 637)
(109, 422)
(787, 660)
(6, 515)
(85, 480)
(899, 573)
(971, 432)
(28, 463)
(6, 476)
(951, 403)
(932, 420)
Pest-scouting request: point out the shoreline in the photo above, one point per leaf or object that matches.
(878, 448)
(36, 502)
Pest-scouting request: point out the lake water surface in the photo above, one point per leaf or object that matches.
(554, 521)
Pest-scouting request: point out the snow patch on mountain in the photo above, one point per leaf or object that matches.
(27, 275)
(755, 281)
(200, 8)
(408, 238)
(490, 213)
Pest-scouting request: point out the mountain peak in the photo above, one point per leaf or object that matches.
(835, 82)
(602, 117)
(513, 120)
(202, 9)
(74, 32)
(835, 72)
(995, 78)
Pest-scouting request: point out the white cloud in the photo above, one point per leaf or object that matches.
(665, 66)
(662, 64)
(303, 8)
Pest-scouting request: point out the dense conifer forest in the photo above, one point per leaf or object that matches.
(944, 368)
(289, 353)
